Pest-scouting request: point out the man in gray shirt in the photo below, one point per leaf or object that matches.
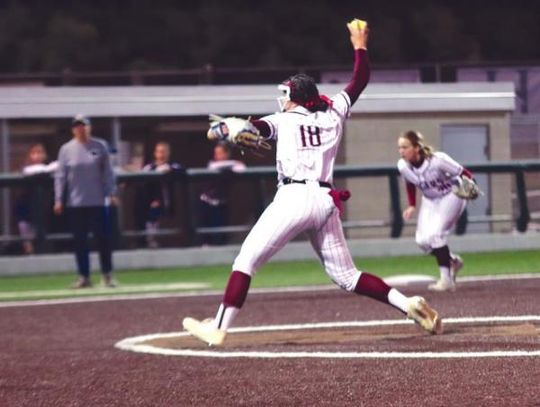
(86, 178)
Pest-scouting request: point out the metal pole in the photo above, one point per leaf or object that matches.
(41, 184)
(191, 214)
(116, 215)
(521, 191)
(6, 213)
(116, 132)
(116, 139)
(523, 91)
(461, 226)
(395, 207)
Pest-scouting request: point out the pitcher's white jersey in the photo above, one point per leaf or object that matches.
(307, 143)
(434, 176)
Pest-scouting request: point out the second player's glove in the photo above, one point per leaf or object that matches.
(466, 188)
(236, 131)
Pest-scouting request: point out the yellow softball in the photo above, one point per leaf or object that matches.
(357, 23)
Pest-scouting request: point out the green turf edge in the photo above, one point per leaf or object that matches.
(286, 274)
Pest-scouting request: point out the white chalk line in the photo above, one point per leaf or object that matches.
(132, 288)
(136, 344)
(200, 293)
(97, 298)
(499, 277)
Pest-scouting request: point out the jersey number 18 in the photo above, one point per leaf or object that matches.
(311, 134)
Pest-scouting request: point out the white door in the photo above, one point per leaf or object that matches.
(470, 144)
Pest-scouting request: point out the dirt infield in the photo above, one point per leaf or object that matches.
(476, 336)
(64, 355)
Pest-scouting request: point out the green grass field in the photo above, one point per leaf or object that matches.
(283, 274)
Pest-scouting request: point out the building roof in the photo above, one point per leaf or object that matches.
(132, 101)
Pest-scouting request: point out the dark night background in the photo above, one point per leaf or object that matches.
(108, 35)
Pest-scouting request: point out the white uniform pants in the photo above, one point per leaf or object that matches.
(435, 221)
(300, 208)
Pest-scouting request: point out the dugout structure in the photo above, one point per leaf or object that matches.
(133, 118)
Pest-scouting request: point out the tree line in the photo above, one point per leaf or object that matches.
(117, 35)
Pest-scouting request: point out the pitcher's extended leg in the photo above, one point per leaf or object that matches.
(331, 247)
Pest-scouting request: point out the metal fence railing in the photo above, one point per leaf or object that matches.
(258, 179)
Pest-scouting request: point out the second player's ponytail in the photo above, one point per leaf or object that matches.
(417, 140)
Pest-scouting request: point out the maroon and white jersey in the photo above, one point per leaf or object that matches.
(434, 176)
(307, 143)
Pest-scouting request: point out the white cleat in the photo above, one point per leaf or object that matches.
(442, 285)
(204, 330)
(456, 264)
(425, 316)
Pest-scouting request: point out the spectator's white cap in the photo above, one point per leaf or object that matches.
(80, 119)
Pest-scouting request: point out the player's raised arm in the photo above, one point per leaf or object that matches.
(359, 40)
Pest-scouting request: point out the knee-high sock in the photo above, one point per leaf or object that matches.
(374, 287)
(233, 299)
(442, 254)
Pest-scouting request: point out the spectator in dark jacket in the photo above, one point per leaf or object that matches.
(213, 201)
(25, 208)
(158, 195)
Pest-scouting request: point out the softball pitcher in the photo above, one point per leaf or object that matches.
(437, 176)
(307, 132)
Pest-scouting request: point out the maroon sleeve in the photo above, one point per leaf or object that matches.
(411, 193)
(360, 77)
(467, 173)
(263, 127)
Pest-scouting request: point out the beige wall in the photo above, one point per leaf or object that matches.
(371, 140)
